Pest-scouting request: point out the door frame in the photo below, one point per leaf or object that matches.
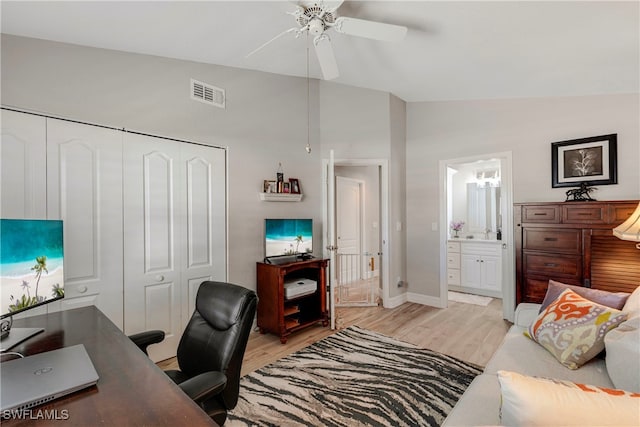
(383, 168)
(508, 253)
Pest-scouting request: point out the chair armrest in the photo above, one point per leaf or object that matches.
(525, 314)
(204, 386)
(145, 339)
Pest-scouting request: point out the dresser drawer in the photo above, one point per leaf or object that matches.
(553, 265)
(591, 214)
(541, 213)
(621, 212)
(567, 240)
(453, 277)
(536, 288)
(453, 260)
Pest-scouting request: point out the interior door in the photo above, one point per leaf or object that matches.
(23, 166)
(348, 227)
(153, 214)
(330, 247)
(204, 242)
(175, 233)
(84, 189)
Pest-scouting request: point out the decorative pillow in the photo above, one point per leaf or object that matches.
(529, 401)
(572, 328)
(610, 299)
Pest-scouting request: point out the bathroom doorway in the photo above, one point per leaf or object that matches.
(477, 256)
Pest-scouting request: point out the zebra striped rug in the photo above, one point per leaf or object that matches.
(354, 377)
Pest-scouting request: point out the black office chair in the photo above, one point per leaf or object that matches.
(212, 346)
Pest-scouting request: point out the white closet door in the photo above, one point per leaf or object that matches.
(205, 233)
(23, 165)
(84, 189)
(153, 216)
(175, 227)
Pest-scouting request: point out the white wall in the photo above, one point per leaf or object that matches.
(526, 127)
(265, 122)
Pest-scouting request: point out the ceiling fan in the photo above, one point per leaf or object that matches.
(316, 18)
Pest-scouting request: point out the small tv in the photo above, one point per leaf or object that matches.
(288, 237)
(31, 271)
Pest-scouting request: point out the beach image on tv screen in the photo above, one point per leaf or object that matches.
(288, 237)
(31, 263)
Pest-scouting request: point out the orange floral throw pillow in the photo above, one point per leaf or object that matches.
(572, 328)
(530, 401)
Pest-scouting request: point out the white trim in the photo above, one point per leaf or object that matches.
(425, 300)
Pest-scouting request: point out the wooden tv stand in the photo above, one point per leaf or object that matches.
(282, 316)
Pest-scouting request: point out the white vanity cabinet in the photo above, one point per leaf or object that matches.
(481, 268)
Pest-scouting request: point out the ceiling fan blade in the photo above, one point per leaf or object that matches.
(325, 55)
(370, 29)
(290, 30)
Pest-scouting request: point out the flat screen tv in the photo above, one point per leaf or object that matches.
(31, 270)
(288, 237)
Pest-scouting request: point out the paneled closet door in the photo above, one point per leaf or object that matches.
(174, 221)
(205, 240)
(84, 189)
(23, 159)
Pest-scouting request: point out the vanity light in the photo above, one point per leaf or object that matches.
(630, 229)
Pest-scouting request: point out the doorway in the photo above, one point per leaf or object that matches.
(374, 263)
(477, 191)
(357, 235)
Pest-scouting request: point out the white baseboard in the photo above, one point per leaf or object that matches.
(396, 301)
(425, 300)
(413, 297)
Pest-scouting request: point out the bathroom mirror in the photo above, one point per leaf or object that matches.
(475, 198)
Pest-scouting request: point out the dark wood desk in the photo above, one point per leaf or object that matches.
(131, 390)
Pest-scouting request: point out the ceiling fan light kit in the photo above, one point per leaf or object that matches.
(317, 18)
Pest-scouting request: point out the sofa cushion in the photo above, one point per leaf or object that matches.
(572, 328)
(479, 405)
(528, 401)
(632, 306)
(610, 299)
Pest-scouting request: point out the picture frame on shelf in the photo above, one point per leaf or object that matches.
(286, 187)
(269, 186)
(592, 161)
(295, 185)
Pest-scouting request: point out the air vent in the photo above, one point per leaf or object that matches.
(208, 94)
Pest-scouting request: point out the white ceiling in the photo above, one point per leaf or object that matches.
(453, 50)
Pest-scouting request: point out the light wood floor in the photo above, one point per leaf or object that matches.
(466, 331)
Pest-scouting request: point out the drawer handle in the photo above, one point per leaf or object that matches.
(550, 239)
(584, 214)
(82, 289)
(550, 264)
(540, 214)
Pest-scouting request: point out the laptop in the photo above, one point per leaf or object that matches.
(43, 377)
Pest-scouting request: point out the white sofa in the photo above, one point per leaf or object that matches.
(480, 404)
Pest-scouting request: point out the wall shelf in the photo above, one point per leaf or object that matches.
(280, 197)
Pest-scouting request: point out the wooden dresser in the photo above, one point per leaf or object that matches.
(572, 242)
